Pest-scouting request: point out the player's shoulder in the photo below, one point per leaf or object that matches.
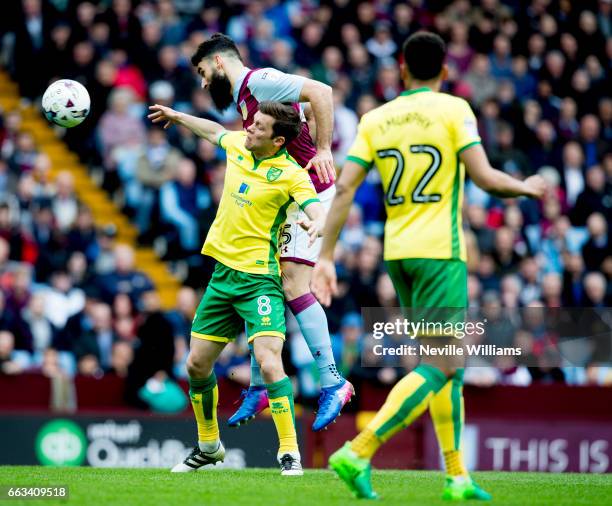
(266, 75)
(232, 139)
(288, 161)
(452, 102)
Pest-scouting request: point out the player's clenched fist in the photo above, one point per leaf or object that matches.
(537, 186)
(163, 113)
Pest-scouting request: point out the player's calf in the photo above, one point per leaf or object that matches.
(204, 395)
(280, 394)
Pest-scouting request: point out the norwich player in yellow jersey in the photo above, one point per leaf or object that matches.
(421, 143)
(261, 181)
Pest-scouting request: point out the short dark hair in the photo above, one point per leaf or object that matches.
(287, 120)
(218, 43)
(424, 54)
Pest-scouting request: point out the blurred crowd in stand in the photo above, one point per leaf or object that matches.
(537, 73)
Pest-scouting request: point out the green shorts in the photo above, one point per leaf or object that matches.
(234, 297)
(429, 283)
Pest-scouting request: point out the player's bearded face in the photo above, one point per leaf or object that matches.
(220, 90)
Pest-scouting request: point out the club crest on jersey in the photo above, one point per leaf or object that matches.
(273, 174)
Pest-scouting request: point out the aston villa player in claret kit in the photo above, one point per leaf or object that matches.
(223, 73)
(280, 252)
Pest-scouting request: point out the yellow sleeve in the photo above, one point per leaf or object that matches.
(229, 139)
(302, 190)
(465, 126)
(361, 150)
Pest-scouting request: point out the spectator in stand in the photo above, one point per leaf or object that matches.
(381, 45)
(182, 315)
(387, 85)
(82, 67)
(105, 259)
(121, 358)
(32, 34)
(156, 350)
(18, 293)
(82, 237)
(125, 27)
(594, 198)
(482, 85)
(174, 72)
(568, 123)
(125, 278)
(155, 166)
(598, 246)
(592, 143)
(63, 300)
(173, 30)
(41, 332)
(119, 129)
(595, 290)
(97, 341)
(64, 204)
(504, 254)
(552, 288)
(573, 274)
(345, 128)
(506, 157)
(182, 200)
(572, 171)
(24, 154)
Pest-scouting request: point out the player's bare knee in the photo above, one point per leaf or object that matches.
(296, 280)
(197, 368)
(270, 362)
(271, 369)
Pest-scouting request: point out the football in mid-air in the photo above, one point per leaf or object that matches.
(66, 103)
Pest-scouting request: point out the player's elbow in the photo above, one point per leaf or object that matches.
(316, 91)
(485, 179)
(343, 190)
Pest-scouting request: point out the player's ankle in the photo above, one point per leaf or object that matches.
(209, 446)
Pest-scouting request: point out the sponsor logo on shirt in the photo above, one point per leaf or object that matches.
(240, 198)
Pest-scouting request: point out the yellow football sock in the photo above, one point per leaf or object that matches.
(365, 444)
(204, 394)
(405, 403)
(447, 413)
(280, 396)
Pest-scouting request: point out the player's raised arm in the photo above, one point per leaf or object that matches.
(204, 128)
(324, 274)
(319, 96)
(497, 182)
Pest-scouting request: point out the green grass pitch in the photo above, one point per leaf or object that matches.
(265, 487)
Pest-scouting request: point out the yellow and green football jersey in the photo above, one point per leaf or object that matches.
(256, 195)
(415, 142)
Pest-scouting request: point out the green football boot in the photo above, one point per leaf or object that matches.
(462, 488)
(354, 471)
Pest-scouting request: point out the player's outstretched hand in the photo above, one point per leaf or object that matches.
(313, 228)
(323, 163)
(324, 283)
(163, 113)
(537, 186)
